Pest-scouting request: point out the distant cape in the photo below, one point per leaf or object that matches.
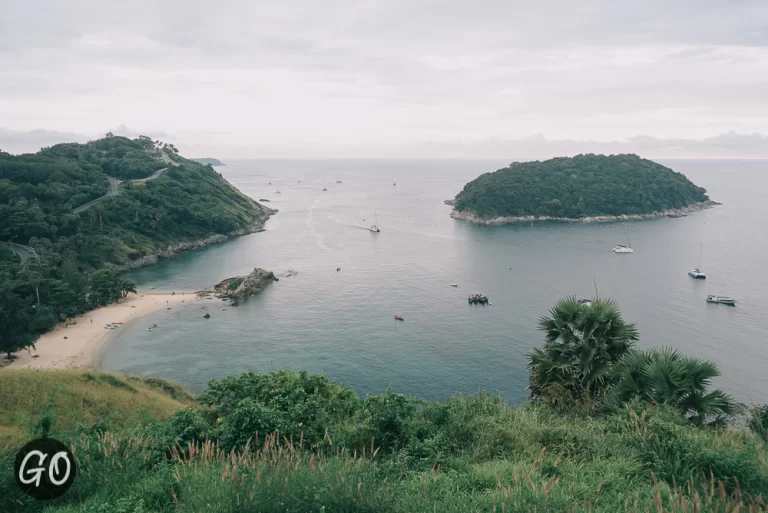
(213, 162)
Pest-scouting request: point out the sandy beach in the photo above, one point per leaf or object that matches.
(84, 339)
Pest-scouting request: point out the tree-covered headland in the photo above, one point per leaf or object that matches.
(162, 199)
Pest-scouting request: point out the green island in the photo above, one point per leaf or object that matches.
(73, 216)
(582, 188)
(608, 428)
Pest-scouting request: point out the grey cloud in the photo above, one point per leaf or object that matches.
(441, 69)
(727, 145)
(129, 132)
(30, 141)
(16, 141)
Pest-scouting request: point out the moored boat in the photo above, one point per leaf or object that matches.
(399, 318)
(454, 285)
(696, 273)
(620, 248)
(721, 300)
(375, 227)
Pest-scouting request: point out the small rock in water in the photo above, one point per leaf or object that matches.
(240, 288)
(207, 316)
(167, 308)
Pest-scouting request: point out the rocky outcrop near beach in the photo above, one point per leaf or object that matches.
(240, 288)
(677, 212)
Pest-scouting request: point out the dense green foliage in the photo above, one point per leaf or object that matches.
(393, 453)
(582, 186)
(39, 193)
(582, 345)
(667, 377)
(588, 363)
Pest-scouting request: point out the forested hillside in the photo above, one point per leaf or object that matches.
(163, 199)
(578, 187)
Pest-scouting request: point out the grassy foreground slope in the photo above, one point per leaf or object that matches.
(578, 187)
(332, 451)
(82, 398)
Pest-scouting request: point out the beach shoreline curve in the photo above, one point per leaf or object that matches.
(85, 339)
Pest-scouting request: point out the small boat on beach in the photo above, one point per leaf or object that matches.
(721, 300)
(399, 318)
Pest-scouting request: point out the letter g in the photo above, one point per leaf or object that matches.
(41, 457)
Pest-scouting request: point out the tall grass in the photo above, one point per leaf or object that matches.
(336, 453)
(549, 463)
(118, 475)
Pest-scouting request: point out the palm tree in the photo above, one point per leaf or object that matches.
(582, 343)
(665, 376)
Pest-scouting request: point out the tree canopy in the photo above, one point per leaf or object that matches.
(578, 187)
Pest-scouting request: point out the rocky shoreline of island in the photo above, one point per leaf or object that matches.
(174, 250)
(677, 212)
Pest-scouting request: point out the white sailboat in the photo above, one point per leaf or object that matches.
(324, 187)
(395, 182)
(696, 272)
(624, 249)
(375, 227)
(277, 191)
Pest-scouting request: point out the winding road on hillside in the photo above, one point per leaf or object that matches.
(24, 252)
(114, 183)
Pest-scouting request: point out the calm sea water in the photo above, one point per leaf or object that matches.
(342, 323)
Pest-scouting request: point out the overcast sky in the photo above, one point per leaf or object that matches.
(382, 78)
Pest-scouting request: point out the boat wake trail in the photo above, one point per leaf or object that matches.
(319, 240)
